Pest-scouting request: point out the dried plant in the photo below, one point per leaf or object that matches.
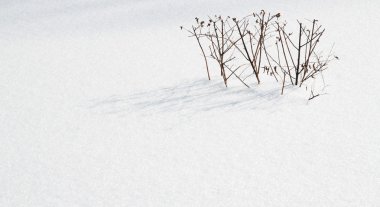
(302, 61)
(260, 41)
(253, 39)
(196, 31)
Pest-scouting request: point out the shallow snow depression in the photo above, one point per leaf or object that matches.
(108, 104)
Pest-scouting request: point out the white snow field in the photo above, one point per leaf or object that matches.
(107, 103)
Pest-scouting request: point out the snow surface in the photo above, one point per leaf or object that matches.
(106, 103)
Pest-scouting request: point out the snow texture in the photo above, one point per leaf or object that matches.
(107, 103)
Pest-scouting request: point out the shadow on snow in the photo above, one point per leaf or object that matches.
(198, 96)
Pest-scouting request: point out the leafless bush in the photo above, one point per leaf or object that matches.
(261, 42)
(300, 55)
(253, 39)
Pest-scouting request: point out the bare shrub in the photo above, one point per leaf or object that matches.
(253, 39)
(261, 42)
(302, 59)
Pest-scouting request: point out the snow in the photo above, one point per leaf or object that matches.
(107, 103)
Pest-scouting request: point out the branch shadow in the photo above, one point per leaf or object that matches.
(192, 97)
